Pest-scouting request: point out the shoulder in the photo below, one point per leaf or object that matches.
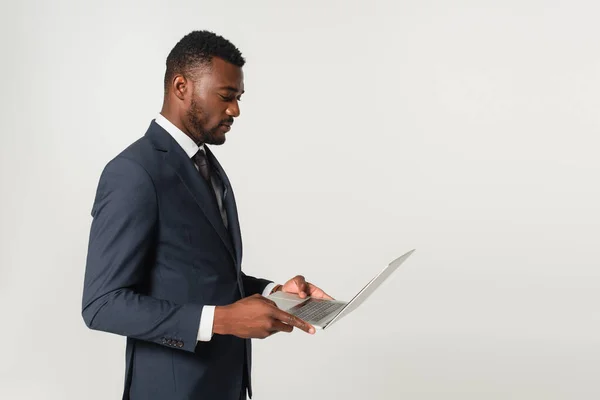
(131, 169)
(138, 157)
(124, 185)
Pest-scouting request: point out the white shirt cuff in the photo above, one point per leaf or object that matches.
(206, 324)
(268, 289)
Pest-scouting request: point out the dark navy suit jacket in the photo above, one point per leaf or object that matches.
(159, 251)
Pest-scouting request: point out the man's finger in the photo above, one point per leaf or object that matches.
(318, 293)
(302, 286)
(279, 326)
(294, 321)
(327, 297)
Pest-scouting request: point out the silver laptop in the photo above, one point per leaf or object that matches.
(323, 313)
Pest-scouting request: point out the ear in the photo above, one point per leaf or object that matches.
(180, 86)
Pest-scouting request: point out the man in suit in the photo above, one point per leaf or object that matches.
(165, 251)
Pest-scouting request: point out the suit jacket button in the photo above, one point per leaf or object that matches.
(180, 344)
(164, 340)
(169, 342)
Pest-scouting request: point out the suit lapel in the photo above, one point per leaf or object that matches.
(197, 187)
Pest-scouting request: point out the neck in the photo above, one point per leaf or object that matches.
(173, 116)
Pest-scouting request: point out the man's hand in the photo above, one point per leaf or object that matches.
(298, 285)
(255, 317)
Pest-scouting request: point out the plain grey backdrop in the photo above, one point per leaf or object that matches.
(465, 129)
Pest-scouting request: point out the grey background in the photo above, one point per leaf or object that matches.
(465, 129)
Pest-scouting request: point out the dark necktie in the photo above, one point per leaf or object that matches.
(202, 163)
(204, 168)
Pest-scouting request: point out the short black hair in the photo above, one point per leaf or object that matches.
(197, 48)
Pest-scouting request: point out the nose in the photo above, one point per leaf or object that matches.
(233, 110)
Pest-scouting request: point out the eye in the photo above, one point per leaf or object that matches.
(230, 98)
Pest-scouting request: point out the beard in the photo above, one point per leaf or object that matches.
(199, 131)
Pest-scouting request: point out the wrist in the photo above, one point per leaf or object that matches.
(221, 322)
(277, 288)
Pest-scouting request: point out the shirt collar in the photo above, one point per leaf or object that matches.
(187, 144)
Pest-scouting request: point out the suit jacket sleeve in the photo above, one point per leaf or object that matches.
(120, 250)
(253, 285)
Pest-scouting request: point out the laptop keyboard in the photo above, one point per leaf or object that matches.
(314, 310)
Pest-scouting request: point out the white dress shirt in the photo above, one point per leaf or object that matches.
(205, 331)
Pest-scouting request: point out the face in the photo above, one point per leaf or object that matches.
(212, 102)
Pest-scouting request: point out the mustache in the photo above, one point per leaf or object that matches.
(228, 121)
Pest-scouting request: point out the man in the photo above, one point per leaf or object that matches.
(165, 251)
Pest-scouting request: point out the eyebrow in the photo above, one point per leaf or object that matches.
(232, 89)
